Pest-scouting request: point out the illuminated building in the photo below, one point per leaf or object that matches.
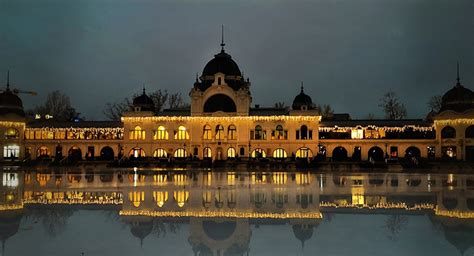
(222, 124)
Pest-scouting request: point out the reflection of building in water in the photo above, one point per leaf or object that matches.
(11, 206)
(222, 124)
(220, 207)
(219, 236)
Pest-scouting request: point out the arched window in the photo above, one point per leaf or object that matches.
(137, 152)
(279, 133)
(470, 132)
(136, 197)
(180, 153)
(160, 197)
(304, 153)
(181, 134)
(137, 133)
(258, 133)
(258, 153)
(219, 132)
(231, 153)
(207, 152)
(161, 133)
(448, 132)
(232, 132)
(304, 134)
(181, 197)
(279, 153)
(160, 153)
(12, 133)
(207, 132)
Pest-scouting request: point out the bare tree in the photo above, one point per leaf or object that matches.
(325, 110)
(114, 111)
(175, 100)
(392, 107)
(395, 224)
(435, 103)
(160, 98)
(280, 104)
(58, 106)
(370, 116)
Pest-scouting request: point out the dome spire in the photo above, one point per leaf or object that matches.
(302, 87)
(222, 38)
(144, 89)
(458, 83)
(8, 80)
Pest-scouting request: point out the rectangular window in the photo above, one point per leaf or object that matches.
(393, 152)
(357, 134)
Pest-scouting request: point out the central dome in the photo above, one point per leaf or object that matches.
(458, 98)
(222, 63)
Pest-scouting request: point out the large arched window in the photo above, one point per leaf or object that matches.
(160, 153)
(207, 132)
(304, 133)
(181, 134)
(180, 153)
(137, 133)
(231, 153)
(258, 153)
(448, 132)
(232, 132)
(304, 153)
(279, 153)
(470, 132)
(207, 152)
(12, 133)
(220, 102)
(161, 133)
(219, 132)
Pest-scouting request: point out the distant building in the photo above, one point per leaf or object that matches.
(221, 124)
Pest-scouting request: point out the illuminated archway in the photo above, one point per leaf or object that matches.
(160, 153)
(304, 153)
(180, 153)
(280, 153)
(258, 153)
(137, 153)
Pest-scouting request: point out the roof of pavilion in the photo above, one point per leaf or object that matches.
(80, 124)
(377, 122)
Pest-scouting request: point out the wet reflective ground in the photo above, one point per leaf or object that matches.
(160, 212)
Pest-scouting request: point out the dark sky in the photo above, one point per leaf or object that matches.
(347, 52)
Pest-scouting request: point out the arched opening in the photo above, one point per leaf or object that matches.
(448, 132)
(231, 153)
(161, 133)
(207, 153)
(137, 133)
(136, 153)
(339, 154)
(412, 152)
(180, 153)
(207, 132)
(181, 133)
(304, 153)
(280, 153)
(259, 134)
(219, 132)
(12, 133)
(303, 133)
(258, 153)
(74, 154)
(375, 154)
(470, 132)
(220, 102)
(107, 153)
(232, 132)
(43, 152)
(160, 153)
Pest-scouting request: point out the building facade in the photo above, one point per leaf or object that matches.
(222, 124)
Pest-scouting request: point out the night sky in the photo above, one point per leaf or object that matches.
(348, 53)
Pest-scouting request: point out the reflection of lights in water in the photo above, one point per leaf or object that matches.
(10, 179)
(135, 176)
(429, 182)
